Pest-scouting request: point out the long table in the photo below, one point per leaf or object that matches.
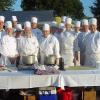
(27, 79)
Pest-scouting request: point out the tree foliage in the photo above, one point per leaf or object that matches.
(6, 4)
(73, 8)
(96, 8)
(96, 11)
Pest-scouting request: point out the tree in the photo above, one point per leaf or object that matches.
(71, 8)
(6, 4)
(96, 11)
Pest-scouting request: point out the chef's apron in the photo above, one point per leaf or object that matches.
(92, 59)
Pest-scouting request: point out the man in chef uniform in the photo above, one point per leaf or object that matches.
(28, 44)
(18, 31)
(80, 40)
(63, 19)
(61, 27)
(36, 31)
(53, 27)
(2, 31)
(76, 48)
(92, 44)
(49, 45)
(77, 28)
(14, 21)
(8, 47)
(67, 44)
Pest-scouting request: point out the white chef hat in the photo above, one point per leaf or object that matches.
(8, 24)
(68, 21)
(14, 18)
(93, 21)
(85, 22)
(27, 24)
(53, 24)
(34, 20)
(46, 26)
(19, 27)
(63, 18)
(2, 18)
(77, 24)
(61, 26)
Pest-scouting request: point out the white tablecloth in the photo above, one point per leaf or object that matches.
(26, 79)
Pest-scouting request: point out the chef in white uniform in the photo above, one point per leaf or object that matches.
(53, 26)
(28, 44)
(67, 44)
(8, 46)
(14, 22)
(2, 31)
(18, 31)
(49, 45)
(36, 31)
(63, 19)
(92, 44)
(76, 48)
(80, 40)
(61, 27)
(77, 28)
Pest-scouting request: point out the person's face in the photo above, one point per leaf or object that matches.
(14, 23)
(18, 33)
(27, 31)
(77, 29)
(34, 25)
(85, 28)
(9, 31)
(93, 28)
(46, 33)
(1, 24)
(68, 26)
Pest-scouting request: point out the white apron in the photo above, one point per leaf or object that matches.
(92, 53)
(92, 59)
(67, 44)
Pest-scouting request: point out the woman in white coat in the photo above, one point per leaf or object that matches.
(8, 45)
(92, 44)
(49, 45)
(28, 44)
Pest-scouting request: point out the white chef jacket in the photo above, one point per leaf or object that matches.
(28, 46)
(49, 46)
(92, 49)
(8, 48)
(67, 46)
(2, 33)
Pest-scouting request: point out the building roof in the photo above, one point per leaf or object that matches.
(43, 16)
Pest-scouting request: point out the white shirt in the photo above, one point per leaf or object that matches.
(2, 33)
(8, 46)
(92, 43)
(49, 46)
(28, 46)
(80, 40)
(67, 41)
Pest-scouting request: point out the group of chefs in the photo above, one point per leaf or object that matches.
(77, 45)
